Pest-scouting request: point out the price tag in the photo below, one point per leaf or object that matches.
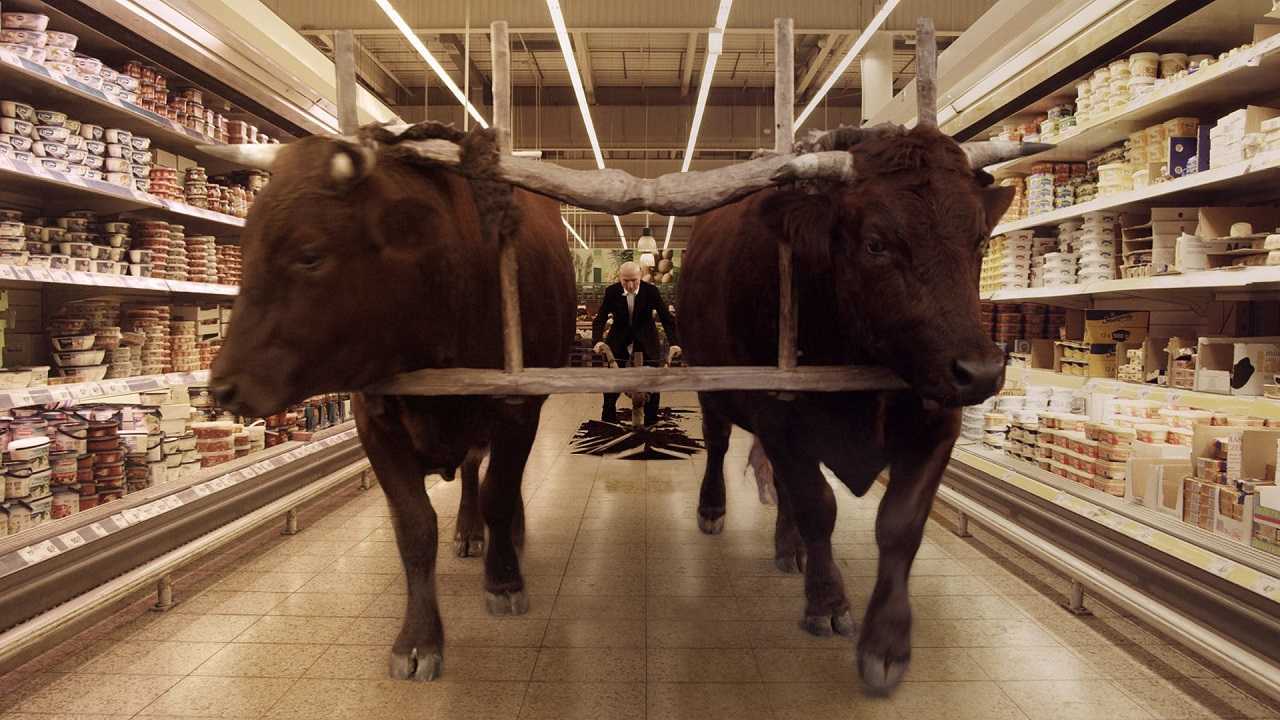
(96, 530)
(134, 515)
(171, 502)
(18, 398)
(115, 387)
(60, 393)
(39, 552)
(61, 276)
(72, 539)
(119, 520)
(41, 274)
(84, 391)
(6, 272)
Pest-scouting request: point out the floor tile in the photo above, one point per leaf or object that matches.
(294, 630)
(222, 697)
(590, 665)
(323, 605)
(599, 607)
(151, 658)
(261, 660)
(197, 628)
(1032, 663)
(708, 701)
(583, 701)
(828, 701)
(1073, 699)
(699, 634)
(80, 693)
(693, 665)
(594, 633)
(977, 700)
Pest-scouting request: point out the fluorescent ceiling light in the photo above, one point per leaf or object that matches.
(715, 45)
(571, 62)
(858, 44)
(416, 42)
(574, 233)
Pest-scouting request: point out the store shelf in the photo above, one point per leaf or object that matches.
(1256, 172)
(22, 276)
(1250, 569)
(78, 393)
(1207, 94)
(1230, 404)
(57, 191)
(37, 85)
(1244, 279)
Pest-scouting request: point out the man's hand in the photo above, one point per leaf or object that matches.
(673, 353)
(600, 348)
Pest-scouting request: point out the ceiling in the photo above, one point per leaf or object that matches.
(636, 57)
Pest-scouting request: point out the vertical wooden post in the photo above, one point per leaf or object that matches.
(500, 46)
(926, 73)
(783, 138)
(508, 262)
(344, 61)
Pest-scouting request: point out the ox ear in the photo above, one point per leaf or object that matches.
(350, 164)
(807, 221)
(995, 201)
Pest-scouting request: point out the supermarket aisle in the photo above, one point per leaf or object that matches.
(634, 614)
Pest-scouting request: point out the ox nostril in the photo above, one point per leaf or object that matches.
(977, 377)
(224, 392)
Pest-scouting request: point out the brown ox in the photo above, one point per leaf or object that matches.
(358, 266)
(887, 274)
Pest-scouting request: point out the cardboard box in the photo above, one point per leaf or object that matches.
(1146, 475)
(1215, 358)
(1180, 150)
(1204, 148)
(1255, 364)
(1233, 518)
(1115, 326)
(25, 349)
(1266, 521)
(1215, 222)
(1251, 452)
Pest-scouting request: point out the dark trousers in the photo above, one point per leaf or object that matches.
(650, 407)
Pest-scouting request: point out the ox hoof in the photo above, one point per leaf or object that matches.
(841, 623)
(790, 563)
(412, 666)
(507, 603)
(881, 674)
(711, 526)
(468, 548)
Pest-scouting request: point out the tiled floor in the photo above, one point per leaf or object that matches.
(633, 614)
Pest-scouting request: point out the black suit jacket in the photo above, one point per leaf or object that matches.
(638, 330)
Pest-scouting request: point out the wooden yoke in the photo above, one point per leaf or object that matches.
(783, 140)
(508, 262)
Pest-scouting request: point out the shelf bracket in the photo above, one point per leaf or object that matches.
(962, 526)
(290, 522)
(164, 594)
(1075, 601)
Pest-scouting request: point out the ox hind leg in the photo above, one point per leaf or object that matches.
(807, 500)
(716, 429)
(503, 506)
(418, 651)
(884, 647)
(468, 540)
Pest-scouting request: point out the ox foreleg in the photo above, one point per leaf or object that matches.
(711, 497)
(806, 498)
(468, 539)
(503, 506)
(884, 647)
(418, 652)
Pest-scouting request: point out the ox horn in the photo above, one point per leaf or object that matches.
(254, 156)
(989, 152)
(617, 192)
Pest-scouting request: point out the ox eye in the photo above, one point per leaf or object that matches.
(309, 260)
(876, 246)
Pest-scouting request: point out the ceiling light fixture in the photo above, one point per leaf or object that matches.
(575, 77)
(715, 45)
(858, 44)
(417, 44)
(574, 233)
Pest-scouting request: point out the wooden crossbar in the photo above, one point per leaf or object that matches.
(553, 381)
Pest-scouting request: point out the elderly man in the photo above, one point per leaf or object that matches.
(632, 302)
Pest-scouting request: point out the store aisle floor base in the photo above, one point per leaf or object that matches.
(633, 613)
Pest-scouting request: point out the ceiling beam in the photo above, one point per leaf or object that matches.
(816, 61)
(583, 52)
(456, 47)
(824, 68)
(686, 64)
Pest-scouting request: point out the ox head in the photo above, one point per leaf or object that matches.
(336, 249)
(903, 241)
